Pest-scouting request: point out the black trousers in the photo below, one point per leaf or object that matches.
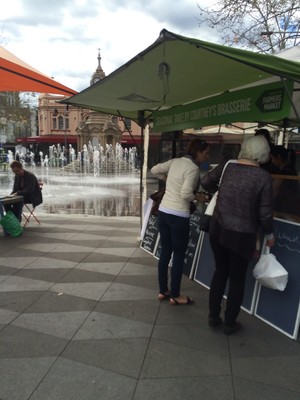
(231, 268)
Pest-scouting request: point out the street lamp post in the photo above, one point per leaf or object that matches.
(65, 126)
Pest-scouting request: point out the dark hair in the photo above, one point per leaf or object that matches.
(280, 151)
(196, 145)
(16, 164)
(265, 133)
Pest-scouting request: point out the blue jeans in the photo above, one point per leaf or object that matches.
(174, 236)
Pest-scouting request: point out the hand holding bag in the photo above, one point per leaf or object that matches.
(269, 272)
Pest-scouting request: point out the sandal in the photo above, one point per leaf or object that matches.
(163, 296)
(188, 301)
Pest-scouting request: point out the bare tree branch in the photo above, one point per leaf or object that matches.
(264, 25)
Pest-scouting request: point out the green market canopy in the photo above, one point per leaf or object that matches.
(180, 82)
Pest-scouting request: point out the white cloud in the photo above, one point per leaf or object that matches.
(61, 37)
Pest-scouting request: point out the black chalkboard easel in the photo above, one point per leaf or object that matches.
(193, 245)
(150, 239)
(282, 309)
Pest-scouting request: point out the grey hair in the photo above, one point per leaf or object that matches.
(255, 149)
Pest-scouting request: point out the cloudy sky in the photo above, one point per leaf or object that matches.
(61, 37)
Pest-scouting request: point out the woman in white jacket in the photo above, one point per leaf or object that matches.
(182, 177)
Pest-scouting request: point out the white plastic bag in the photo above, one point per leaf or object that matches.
(206, 217)
(211, 205)
(269, 272)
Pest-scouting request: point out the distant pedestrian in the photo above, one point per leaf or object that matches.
(280, 158)
(268, 165)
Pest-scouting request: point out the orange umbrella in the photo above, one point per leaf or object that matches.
(17, 76)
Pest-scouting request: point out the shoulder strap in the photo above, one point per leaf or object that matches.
(225, 166)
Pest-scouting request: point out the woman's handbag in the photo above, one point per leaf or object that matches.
(11, 224)
(157, 198)
(269, 272)
(206, 217)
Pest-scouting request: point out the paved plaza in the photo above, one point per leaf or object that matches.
(79, 320)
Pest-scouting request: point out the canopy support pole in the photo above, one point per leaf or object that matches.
(292, 104)
(291, 99)
(141, 121)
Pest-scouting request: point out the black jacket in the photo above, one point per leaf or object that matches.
(28, 187)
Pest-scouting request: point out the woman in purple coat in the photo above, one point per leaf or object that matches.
(244, 207)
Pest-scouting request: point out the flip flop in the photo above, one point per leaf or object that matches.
(189, 301)
(163, 296)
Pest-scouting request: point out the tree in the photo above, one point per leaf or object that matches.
(264, 25)
(17, 116)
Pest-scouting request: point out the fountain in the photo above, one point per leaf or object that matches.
(92, 159)
(96, 181)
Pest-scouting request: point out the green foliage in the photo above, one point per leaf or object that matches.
(242, 22)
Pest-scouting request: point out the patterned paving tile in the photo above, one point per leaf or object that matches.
(60, 302)
(7, 316)
(70, 248)
(16, 262)
(87, 290)
(78, 275)
(18, 301)
(162, 362)
(48, 275)
(16, 283)
(111, 268)
(47, 263)
(41, 247)
(103, 326)
(20, 377)
(123, 356)
(191, 388)
(18, 342)
(120, 291)
(71, 380)
(79, 319)
(122, 251)
(59, 324)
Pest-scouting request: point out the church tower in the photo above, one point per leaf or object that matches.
(99, 73)
(97, 128)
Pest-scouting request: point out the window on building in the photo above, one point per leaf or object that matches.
(61, 122)
(127, 123)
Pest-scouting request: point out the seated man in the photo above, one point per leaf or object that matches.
(26, 185)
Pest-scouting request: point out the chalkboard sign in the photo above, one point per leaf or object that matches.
(281, 309)
(193, 244)
(205, 269)
(150, 238)
(158, 249)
